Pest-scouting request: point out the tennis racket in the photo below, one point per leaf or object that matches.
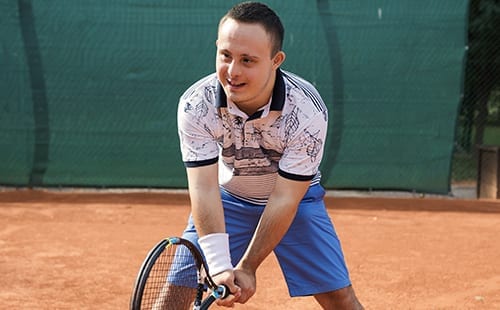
(174, 276)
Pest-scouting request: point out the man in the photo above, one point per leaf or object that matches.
(252, 138)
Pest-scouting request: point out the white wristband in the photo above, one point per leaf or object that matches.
(215, 247)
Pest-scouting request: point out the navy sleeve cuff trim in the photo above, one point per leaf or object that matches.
(295, 177)
(200, 163)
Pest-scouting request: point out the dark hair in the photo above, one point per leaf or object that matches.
(259, 13)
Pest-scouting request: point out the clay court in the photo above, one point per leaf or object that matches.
(82, 250)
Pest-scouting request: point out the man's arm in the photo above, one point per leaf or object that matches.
(274, 223)
(208, 217)
(206, 204)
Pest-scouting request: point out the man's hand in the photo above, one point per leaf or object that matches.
(227, 278)
(247, 281)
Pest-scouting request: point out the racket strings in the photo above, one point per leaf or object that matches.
(173, 280)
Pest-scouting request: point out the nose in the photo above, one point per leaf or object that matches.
(233, 69)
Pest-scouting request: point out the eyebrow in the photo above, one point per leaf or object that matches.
(242, 55)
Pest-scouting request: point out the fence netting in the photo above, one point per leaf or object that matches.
(89, 89)
(479, 117)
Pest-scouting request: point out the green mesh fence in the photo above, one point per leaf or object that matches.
(89, 89)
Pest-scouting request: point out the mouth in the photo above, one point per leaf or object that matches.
(234, 84)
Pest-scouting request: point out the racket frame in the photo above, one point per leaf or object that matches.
(204, 279)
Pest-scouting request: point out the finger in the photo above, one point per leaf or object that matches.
(235, 291)
(243, 299)
(233, 297)
(227, 302)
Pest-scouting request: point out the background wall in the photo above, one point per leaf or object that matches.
(89, 89)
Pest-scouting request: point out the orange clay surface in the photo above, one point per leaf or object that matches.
(82, 250)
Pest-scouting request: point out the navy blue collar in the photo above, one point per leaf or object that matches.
(276, 103)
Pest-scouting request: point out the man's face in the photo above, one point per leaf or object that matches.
(244, 64)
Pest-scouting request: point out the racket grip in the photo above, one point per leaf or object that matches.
(220, 292)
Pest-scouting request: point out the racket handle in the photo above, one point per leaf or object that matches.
(220, 292)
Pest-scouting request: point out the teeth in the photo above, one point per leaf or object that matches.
(233, 83)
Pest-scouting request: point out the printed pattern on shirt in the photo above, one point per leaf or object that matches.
(288, 139)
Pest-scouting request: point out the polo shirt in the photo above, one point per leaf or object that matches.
(284, 137)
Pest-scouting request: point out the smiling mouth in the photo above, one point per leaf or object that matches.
(232, 84)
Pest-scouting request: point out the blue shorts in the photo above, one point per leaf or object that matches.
(309, 254)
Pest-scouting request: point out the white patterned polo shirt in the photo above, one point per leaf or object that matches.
(285, 137)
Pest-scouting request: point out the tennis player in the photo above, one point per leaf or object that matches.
(252, 138)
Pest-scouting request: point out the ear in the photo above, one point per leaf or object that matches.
(278, 59)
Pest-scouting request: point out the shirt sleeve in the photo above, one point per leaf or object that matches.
(306, 135)
(196, 121)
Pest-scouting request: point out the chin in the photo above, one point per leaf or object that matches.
(233, 96)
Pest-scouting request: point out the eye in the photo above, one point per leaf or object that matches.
(247, 60)
(225, 56)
